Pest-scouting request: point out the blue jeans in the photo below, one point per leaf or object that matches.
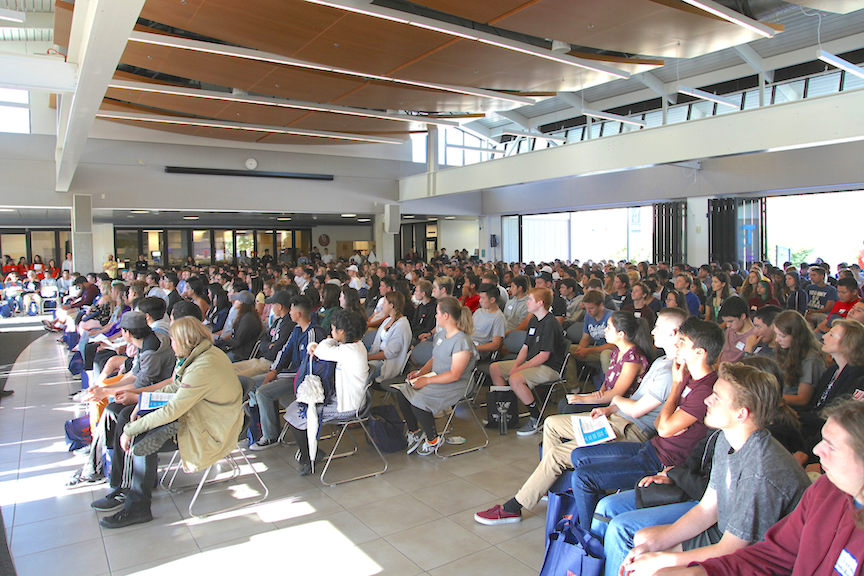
(626, 520)
(612, 466)
(264, 395)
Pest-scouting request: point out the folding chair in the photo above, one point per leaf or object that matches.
(560, 380)
(50, 296)
(422, 352)
(235, 472)
(369, 338)
(467, 400)
(513, 342)
(361, 418)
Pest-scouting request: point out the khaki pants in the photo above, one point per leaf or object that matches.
(533, 376)
(253, 367)
(556, 454)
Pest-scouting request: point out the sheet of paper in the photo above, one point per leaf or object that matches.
(588, 431)
(153, 400)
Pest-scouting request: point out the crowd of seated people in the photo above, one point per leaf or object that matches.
(725, 383)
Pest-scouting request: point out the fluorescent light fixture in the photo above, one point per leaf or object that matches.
(190, 217)
(349, 215)
(239, 126)
(271, 101)
(613, 117)
(476, 149)
(284, 218)
(7, 210)
(140, 211)
(734, 17)
(260, 56)
(364, 219)
(468, 34)
(449, 217)
(840, 63)
(408, 216)
(696, 93)
(535, 135)
(12, 15)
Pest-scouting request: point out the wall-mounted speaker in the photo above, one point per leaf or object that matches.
(392, 218)
(493, 240)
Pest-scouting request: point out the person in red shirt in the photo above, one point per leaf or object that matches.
(470, 298)
(847, 296)
(824, 535)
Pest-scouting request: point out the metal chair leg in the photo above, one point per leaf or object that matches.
(333, 455)
(467, 402)
(236, 469)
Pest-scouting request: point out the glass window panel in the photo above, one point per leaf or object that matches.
(265, 242)
(418, 147)
(851, 82)
(510, 238)
(224, 251)
(154, 240)
(544, 237)
(15, 119)
(789, 91)
(14, 245)
(654, 118)
(589, 225)
(245, 245)
(201, 246)
(640, 233)
(675, 114)
(474, 156)
(611, 128)
(126, 245)
(701, 109)
(574, 134)
(824, 84)
(14, 96)
(631, 127)
(735, 98)
(596, 130)
(42, 245)
(303, 241)
(751, 98)
(178, 247)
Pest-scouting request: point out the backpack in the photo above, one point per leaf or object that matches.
(78, 432)
(33, 309)
(5, 310)
(76, 363)
(492, 414)
(387, 429)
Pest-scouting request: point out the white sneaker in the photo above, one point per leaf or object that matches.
(415, 439)
(263, 444)
(429, 448)
(529, 428)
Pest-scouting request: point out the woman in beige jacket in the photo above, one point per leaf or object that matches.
(205, 412)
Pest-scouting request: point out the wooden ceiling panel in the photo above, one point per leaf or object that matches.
(168, 102)
(470, 63)
(247, 75)
(302, 140)
(351, 124)
(62, 23)
(375, 46)
(631, 26)
(373, 94)
(484, 12)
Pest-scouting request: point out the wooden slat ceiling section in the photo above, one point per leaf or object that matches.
(633, 26)
(483, 11)
(62, 22)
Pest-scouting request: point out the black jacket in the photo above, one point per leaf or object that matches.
(274, 339)
(423, 320)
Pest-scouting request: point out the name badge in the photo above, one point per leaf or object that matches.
(531, 331)
(858, 394)
(637, 314)
(846, 564)
(686, 392)
(438, 342)
(740, 345)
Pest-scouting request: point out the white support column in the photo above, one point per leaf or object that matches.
(385, 245)
(82, 234)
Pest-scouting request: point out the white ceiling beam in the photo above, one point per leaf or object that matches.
(755, 61)
(226, 125)
(261, 56)
(655, 84)
(48, 73)
(515, 118)
(100, 29)
(241, 97)
(572, 100)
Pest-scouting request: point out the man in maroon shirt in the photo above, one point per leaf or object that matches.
(66, 313)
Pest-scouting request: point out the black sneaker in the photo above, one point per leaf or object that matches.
(127, 517)
(110, 503)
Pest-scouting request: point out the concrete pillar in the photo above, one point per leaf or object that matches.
(385, 245)
(82, 234)
(431, 159)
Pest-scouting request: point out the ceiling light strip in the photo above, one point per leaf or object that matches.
(469, 34)
(734, 17)
(613, 117)
(257, 55)
(840, 63)
(12, 15)
(155, 119)
(703, 95)
(269, 101)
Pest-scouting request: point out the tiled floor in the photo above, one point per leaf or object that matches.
(417, 518)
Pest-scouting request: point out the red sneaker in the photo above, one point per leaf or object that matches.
(497, 515)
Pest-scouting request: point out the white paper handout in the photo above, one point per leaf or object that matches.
(588, 431)
(153, 400)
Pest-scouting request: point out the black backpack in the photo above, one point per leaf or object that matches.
(492, 414)
(387, 428)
